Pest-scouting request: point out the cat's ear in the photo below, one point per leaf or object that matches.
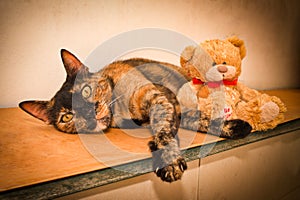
(37, 109)
(71, 63)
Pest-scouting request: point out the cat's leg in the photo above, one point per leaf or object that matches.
(168, 163)
(197, 121)
(232, 129)
(194, 120)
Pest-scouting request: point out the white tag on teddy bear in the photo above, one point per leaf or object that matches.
(227, 111)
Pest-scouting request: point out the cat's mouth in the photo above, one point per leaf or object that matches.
(102, 124)
(102, 117)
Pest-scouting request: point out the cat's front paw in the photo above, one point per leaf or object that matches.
(168, 164)
(172, 172)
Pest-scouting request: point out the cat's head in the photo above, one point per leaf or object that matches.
(81, 105)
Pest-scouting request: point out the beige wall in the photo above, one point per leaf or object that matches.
(33, 32)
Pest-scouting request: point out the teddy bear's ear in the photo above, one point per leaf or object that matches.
(239, 44)
(187, 54)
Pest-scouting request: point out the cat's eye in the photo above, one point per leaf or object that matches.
(67, 117)
(86, 91)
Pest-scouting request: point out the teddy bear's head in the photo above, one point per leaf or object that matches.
(214, 60)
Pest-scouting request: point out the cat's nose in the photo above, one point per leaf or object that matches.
(222, 69)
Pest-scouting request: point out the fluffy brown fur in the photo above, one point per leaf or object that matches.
(218, 62)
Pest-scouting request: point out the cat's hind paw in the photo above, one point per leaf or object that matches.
(232, 129)
(236, 129)
(172, 172)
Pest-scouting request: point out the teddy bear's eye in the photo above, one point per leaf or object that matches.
(214, 63)
(224, 63)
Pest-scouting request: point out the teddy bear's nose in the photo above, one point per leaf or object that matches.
(222, 69)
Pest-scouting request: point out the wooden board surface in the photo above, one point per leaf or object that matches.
(32, 152)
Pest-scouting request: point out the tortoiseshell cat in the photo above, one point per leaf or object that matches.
(126, 94)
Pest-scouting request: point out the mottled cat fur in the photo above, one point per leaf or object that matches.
(127, 94)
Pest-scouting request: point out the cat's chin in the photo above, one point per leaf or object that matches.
(100, 127)
(102, 124)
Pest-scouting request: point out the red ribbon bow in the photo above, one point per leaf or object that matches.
(214, 84)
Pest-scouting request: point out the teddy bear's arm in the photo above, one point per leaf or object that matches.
(247, 93)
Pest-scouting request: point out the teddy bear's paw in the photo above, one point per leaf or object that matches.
(171, 172)
(232, 129)
(269, 111)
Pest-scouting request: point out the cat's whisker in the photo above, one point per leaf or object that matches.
(115, 100)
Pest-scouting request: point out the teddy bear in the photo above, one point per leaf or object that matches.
(214, 67)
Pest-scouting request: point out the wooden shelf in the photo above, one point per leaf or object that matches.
(32, 152)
